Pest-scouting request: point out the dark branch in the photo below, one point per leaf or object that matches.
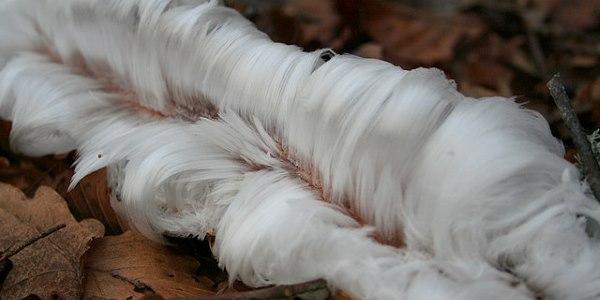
(589, 163)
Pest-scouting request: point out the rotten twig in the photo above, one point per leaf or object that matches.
(589, 163)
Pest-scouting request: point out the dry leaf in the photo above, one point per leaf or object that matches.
(369, 50)
(571, 15)
(27, 173)
(587, 99)
(319, 24)
(412, 37)
(474, 90)
(91, 199)
(491, 75)
(51, 267)
(24, 175)
(117, 264)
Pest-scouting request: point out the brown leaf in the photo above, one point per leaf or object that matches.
(491, 75)
(413, 37)
(571, 15)
(91, 199)
(369, 50)
(117, 267)
(319, 24)
(25, 176)
(473, 90)
(50, 267)
(587, 99)
(27, 173)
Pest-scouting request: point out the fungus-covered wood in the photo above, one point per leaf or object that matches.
(384, 182)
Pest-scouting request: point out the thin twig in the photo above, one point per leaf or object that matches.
(11, 252)
(316, 289)
(589, 163)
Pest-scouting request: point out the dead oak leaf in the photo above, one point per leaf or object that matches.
(414, 37)
(117, 266)
(319, 23)
(570, 15)
(49, 268)
(91, 199)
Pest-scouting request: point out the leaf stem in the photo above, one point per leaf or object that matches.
(28, 242)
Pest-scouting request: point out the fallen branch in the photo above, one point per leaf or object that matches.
(589, 163)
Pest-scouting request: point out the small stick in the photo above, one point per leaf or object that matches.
(588, 160)
(28, 242)
(316, 289)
